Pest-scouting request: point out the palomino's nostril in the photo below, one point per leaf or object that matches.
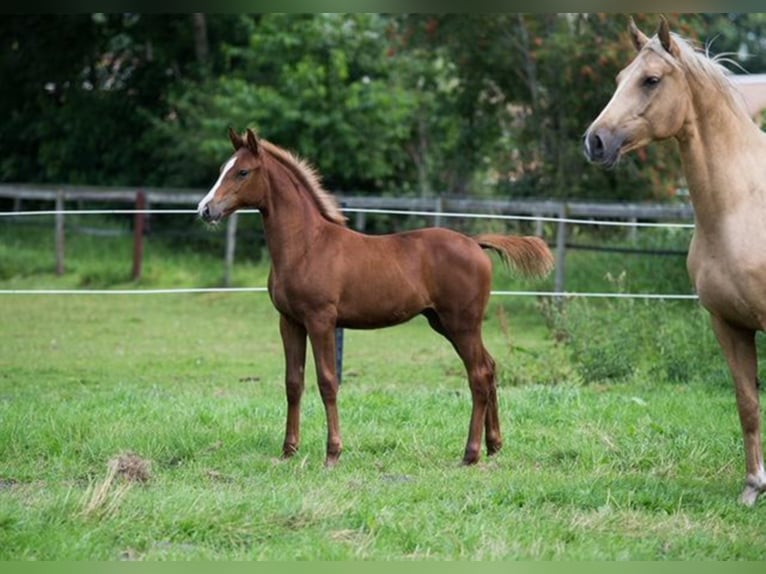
(598, 143)
(594, 146)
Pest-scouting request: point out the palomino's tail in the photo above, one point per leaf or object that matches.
(528, 254)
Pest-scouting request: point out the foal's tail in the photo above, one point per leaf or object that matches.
(528, 254)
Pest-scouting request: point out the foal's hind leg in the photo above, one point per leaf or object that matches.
(480, 368)
(492, 438)
(294, 343)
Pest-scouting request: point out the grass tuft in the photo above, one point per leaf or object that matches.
(123, 471)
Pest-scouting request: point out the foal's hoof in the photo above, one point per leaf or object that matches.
(288, 451)
(332, 454)
(331, 461)
(470, 458)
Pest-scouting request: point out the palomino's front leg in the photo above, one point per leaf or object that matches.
(322, 336)
(739, 349)
(294, 343)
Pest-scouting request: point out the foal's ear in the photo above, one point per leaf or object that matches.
(252, 142)
(638, 37)
(236, 139)
(663, 32)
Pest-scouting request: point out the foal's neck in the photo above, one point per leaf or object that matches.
(291, 219)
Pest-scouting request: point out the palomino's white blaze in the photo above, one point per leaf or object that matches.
(621, 86)
(617, 93)
(205, 200)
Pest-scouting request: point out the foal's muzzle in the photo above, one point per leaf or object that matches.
(204, 214)
(209, 215)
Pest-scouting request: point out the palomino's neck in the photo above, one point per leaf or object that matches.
(291, 219)
(713, 142)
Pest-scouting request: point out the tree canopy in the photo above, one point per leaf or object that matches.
(408, 104)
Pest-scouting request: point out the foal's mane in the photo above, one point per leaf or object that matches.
(308, 176)
(704, 69)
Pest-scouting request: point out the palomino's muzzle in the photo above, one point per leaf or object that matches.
(602, 146)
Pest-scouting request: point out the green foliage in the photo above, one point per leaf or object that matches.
(602, 354)
(659, 341)
(322, 86)
(81, 92)
(477, 104)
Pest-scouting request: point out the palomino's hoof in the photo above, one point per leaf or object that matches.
(749, 496)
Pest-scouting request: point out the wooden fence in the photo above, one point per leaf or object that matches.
(563, 214)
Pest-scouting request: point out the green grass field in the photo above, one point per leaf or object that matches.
(621, 435)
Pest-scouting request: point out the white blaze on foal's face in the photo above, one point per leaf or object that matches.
(211, 194)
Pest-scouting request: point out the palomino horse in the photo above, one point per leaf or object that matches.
(324, 275)
(670, 90)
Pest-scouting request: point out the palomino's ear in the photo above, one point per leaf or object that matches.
(663, 32)
(252, 142)
(638, 37)
(236, 139)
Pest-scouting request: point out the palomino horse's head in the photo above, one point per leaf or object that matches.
(650, 102)
(241, 182)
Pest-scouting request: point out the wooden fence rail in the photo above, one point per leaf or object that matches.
(562, 213)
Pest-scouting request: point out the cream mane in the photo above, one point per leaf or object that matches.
(706, 70)
(308, 176)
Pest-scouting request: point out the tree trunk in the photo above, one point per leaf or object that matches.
(201, 46)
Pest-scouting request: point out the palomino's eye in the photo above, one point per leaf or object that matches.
(243, 172)
(651, 81)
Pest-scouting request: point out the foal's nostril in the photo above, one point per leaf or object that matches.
(205, 213)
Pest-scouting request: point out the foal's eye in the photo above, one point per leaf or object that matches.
(651, 81)
(243, 172)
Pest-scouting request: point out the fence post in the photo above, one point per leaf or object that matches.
(439, 208)
(360, 221)
(231, 247)
(138, 234)
(561, 251)
(59, 232)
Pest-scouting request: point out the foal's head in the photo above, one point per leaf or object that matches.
(650, 103)
(241, 183)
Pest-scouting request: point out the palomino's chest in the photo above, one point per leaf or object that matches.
(729, 275)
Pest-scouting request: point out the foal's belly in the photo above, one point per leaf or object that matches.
(383, 303)
(363, 303)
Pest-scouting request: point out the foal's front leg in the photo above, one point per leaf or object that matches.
(321, 333)
(294, 344)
